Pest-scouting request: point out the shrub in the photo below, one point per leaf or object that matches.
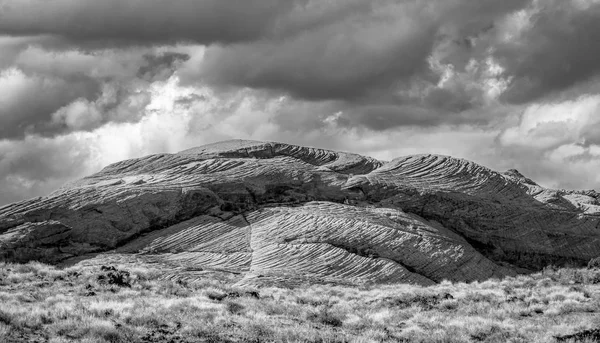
(5, 318)
(593, 278)
(308, 301)
(109, 334)
(591, 335)
(216, 296)
(448, 305)
(594, 263)
(239, 294)
(234, 308)
(113, 276)
(258, 333)
(425, 301)
(326, 317)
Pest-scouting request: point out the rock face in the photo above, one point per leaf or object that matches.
(278, 212)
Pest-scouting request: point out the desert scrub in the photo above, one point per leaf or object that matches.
(137, 302)
(594, 263)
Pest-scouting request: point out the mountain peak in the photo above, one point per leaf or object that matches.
(275, 211)
(516, 175)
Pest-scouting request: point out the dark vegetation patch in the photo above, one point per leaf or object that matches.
(220, 296)
(582, 336)
(113, 276)
(594, 263)
(424, 301)
(326, 317)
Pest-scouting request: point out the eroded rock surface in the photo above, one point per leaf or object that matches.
(275, 212)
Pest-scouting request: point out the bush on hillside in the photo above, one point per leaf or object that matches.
(594, 263)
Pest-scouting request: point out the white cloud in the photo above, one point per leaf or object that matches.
(79, 115)
(549, 125)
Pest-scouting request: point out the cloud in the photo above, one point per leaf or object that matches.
(390, 117)
(36, 165)
(114, 105)
(548, 126)
(80, 114)
(27, 101)
(344, 59)
(380, 54)
(385, 64)
(554, 48)
(11, 47)
(142, 22)
(51, 92)
(509, 84)
(159, 67)
(360, 52)
(557, 144)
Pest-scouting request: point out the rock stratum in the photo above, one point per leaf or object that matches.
(273, 212)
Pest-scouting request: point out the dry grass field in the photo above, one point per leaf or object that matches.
(136, 303)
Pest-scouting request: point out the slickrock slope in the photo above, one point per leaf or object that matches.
(275, 212)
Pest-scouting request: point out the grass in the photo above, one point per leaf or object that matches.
(137, 303)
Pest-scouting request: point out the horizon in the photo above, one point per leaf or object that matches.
(313, 147)
(508, 85)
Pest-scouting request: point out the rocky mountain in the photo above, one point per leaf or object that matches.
(274, 212)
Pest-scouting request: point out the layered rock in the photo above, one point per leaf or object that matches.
(272, 211)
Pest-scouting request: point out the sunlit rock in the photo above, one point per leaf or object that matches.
(275, 212)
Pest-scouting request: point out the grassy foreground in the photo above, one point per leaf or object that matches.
(132, 303)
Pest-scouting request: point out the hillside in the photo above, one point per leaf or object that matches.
(278, 213)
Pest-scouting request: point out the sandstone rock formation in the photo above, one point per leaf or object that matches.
(283, 213)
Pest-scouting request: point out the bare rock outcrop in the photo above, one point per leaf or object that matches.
(275, 212)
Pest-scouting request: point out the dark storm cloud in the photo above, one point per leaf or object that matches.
(374, 59)
(452, 101)
(382, 117)
(386, 117)
(160, 67)
(50, 93)
(11, 47)
(142, 22)
(311, 67)
(27, 102)
(310, 49)
(367, 51)
(560, 49)
(189, 100)
(36, 166)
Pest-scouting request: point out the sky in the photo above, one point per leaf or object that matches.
(507, 84)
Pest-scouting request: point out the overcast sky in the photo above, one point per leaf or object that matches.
(508, 84)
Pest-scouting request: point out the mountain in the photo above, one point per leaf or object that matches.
(275, 212)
